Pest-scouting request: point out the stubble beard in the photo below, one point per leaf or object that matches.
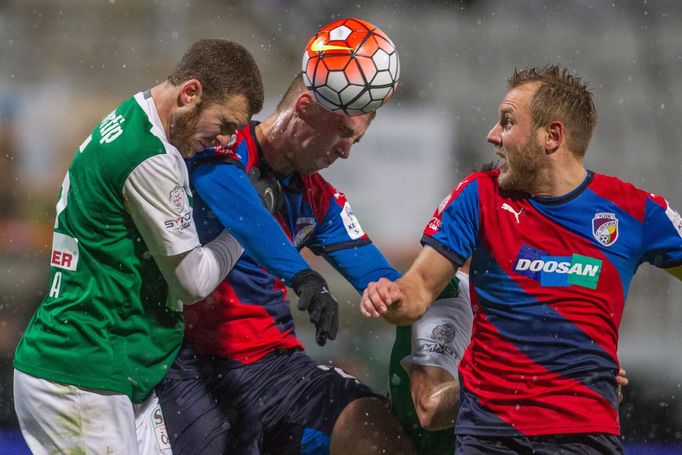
(523, 173)
(182, 129)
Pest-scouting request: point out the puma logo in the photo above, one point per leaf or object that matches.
(509, 208)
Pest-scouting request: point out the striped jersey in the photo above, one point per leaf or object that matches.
(549, 279)
(248, 316)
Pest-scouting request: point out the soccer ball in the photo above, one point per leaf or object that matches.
(351, 66)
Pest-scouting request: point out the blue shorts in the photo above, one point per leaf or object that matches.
(284, 403)
(567, 444)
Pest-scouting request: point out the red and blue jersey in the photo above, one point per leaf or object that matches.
(248, 315)
(549, 279)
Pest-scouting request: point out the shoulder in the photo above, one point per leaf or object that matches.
(468, 188)
(475, 181)
(319, 192)
(315, 183)
(624, 194)
(124, 139)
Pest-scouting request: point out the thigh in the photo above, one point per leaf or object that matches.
(311, 400)
(194, 421)
(366, 427)
(73, 420)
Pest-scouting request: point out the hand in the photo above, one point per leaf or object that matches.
(378, 296)
(314, 297)
(622, 381)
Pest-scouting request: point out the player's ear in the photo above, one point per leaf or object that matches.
(554, 136)
(190, 92)
(305, 105)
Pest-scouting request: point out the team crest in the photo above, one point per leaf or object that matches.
(304, 228)
(444, 333)
(605, 228)
(178, 199)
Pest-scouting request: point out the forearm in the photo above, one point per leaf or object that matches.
(415, 301)
(361, 264)
(193, 276)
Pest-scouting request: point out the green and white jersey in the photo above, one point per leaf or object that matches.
(438, 338)
(108, 322)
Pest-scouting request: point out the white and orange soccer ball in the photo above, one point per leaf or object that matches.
(351, 66)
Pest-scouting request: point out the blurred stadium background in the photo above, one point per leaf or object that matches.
(67, 63)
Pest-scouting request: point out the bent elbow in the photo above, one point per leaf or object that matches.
(434, 414)
(426, 410)
(191, 291)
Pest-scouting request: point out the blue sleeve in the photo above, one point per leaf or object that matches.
(360, 264)
(453, 229)
(662, 235)
(227, 191)
(342, 242)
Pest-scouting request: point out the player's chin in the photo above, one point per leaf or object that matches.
(316, 167)
(503, 166)
(506, 179)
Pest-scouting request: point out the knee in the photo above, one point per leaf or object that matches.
(366, 426)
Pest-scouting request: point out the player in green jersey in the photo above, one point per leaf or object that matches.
(423, 388)
(126, 256)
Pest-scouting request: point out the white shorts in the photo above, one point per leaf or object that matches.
(74, 420)
(152, 437)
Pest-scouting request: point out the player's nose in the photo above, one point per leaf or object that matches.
(494, 135)
(343, 149)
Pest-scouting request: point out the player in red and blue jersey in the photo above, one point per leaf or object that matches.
(242, 382)
(554, 248)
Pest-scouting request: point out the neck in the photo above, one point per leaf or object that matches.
(164, 96)
(560, 179)
(271, 135)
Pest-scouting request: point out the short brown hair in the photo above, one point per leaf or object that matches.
(295, 88)
(224, 68)
(560, 96)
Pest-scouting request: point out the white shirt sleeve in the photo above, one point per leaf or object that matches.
(194, 276)
(156, 195)
(442, 334)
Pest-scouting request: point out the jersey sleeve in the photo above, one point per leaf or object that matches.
(442, 334)
(453, 228)
(361, 264)
(338, 227)
(226, 189)
(341, 240)
(156, 198)
(662, 236)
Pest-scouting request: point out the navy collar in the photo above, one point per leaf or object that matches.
(556, 200)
